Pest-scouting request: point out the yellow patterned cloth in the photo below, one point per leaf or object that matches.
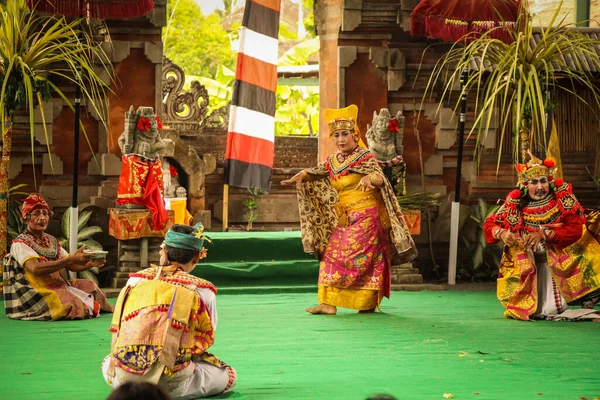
(160, 320)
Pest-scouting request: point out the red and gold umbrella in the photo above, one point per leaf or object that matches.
(451, 20)
(454, 21)
(100, 9)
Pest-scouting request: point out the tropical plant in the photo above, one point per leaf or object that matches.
(219, 88)
(15, 224)
(422, 201)
(297, 107)
(516, 79)
(480, 261)
(190, 36)
(35, 52)
(251, 207)
(84, 238)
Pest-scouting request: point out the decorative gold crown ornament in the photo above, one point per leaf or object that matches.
(342, 119)
(535, 167)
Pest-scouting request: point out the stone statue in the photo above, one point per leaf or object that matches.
(172, 187)
(384, 139)
(141, 135)
(141, 179)
(181, 192)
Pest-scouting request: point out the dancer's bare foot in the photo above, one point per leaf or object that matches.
(322, 309)
(371, 311)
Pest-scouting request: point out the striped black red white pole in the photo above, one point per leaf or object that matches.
(250, 145)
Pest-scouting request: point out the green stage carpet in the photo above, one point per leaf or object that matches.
(253, 259)
(425, 345)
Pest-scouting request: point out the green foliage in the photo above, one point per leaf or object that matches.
(197, 43)
(251, 206)
(219, 88)
(422, 201)
(299, 54)
(513, 79)
(297, 110)
(297, 107)
(15, 224)
(84, 238)
(309, 20)
(36, 51)
(480, 261)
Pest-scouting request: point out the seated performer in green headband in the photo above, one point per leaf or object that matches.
(164, 322)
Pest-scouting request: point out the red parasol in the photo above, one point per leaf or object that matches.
(450, 20)
(101, 9)
(98, 9)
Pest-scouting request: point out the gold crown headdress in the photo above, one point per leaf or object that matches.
(343, 119)
(535, 167)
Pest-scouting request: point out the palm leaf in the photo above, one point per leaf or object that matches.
(83, 219)
(88, 232)
(516, 79)
(90, 244)
(65, 223)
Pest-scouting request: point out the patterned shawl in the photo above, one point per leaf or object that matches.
(317, 201)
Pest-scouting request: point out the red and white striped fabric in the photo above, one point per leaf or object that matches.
(250, 149)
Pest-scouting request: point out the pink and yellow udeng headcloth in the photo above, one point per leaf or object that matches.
(342, 119)
(535, 167)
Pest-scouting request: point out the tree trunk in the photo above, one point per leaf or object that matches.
(4, 164)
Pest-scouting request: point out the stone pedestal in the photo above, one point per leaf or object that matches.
(138, 242)
(406, 274)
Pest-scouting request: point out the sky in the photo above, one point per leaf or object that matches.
(208, 6)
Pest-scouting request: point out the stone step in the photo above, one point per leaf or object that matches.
(404, 271)
(418, 287)
(108, 189)
(128, 269)
(407, 279)
(118, 282)
(102, 202)
(135, 257)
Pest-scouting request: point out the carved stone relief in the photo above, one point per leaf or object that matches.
(187, 112)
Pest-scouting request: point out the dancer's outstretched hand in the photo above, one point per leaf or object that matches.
(298, 178)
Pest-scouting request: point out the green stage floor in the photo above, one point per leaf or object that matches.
(426, 344)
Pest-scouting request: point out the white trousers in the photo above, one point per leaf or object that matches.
(550, 301)
(198, 379)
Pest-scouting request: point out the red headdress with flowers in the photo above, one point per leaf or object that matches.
(33, 202)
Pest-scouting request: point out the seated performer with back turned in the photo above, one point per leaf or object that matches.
(36, 283)
(550, 257)
(164, 322)
(351, 219)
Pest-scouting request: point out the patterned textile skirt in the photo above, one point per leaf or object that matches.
(355, 268)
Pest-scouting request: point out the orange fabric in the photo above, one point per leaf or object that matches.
(249, 149)
(141, 182)
(413, 221)
(272, 4)
(256, 72)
